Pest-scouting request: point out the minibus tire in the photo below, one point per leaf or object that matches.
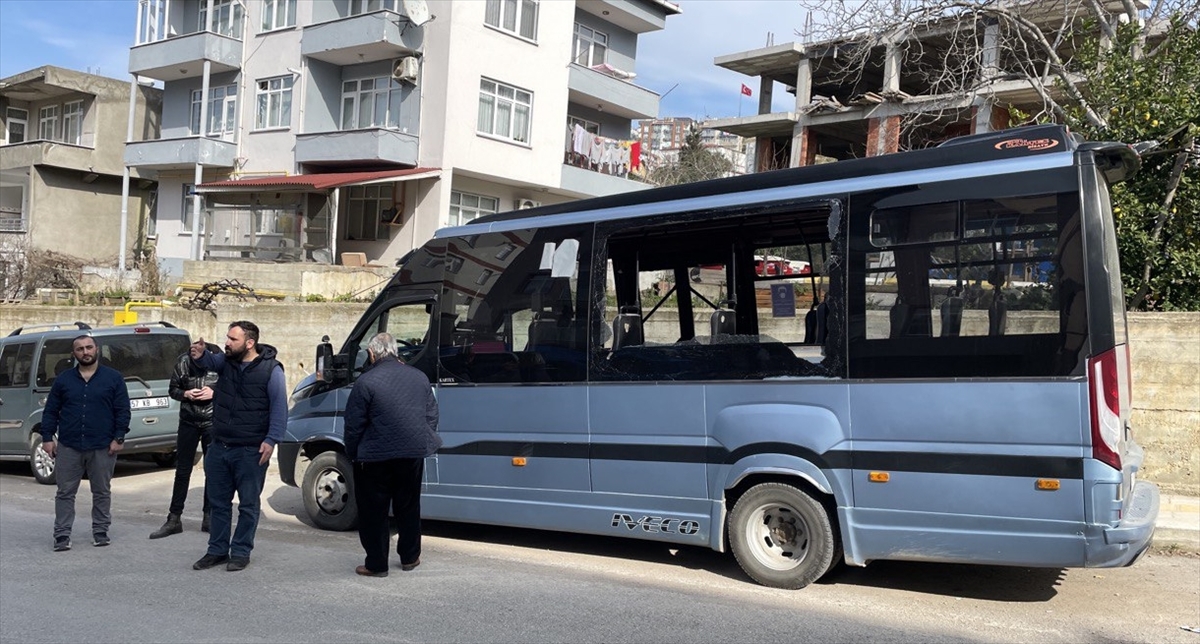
(40, 463)
(781, 536)
(328, 491)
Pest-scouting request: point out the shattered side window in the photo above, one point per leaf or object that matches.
(728, 297)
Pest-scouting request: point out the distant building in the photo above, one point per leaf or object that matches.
(661, 140)
(314, 128)
(62, 137)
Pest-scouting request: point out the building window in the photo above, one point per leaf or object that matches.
(17, 120)
(278, 14)
(517, 17)
(226, 18)
(189, 196)
(365, 212)
(588, 126)
(465, 207)
(12, 204)
(504, 111)
(590, 46)
(274, 103)
(371, 102)
(48, 123)
(367, 6)
(222, 110)
(73, 122)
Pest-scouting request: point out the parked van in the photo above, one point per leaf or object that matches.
(32, 357)
(979, 416)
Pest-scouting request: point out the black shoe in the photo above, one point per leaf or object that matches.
(208, 561)
(204, 523)
(410, 566)
(62, 543)
(237, 563)
(172, 526)
(100, 539)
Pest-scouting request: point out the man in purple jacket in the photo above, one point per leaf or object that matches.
(390, 427)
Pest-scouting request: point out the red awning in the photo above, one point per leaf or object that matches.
(315, 182)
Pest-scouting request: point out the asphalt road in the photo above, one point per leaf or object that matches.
(484, 584)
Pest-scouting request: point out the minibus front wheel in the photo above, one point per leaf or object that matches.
(781, 536)
(328, 491)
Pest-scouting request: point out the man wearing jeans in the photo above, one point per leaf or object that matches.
(249, 418)
(88, 410)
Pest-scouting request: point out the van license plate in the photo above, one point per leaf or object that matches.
(149, 403)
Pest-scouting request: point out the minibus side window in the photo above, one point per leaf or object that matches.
(514, 307)
(971, 287)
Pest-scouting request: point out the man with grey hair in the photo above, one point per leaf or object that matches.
(390, 427)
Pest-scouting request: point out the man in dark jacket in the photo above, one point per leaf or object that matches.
(391, 426)
(192, 386)
(88, 410)
(249, 418)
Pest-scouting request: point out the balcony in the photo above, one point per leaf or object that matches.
(181, 57)
(584, 183)
(181, 153)
(364, 147)
(605, 92)
(380, 35)
(51, 153)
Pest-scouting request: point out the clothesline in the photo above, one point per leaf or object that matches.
(602, 154)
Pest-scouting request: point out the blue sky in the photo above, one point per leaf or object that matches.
(97, 34)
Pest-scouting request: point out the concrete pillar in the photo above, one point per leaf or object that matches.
(133, 85)
(766, 87)
(198, 173)
(891, 69)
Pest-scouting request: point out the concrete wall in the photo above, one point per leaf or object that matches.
(82, 219)
(1165, 349)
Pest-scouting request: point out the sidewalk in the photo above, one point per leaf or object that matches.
(1178, 524)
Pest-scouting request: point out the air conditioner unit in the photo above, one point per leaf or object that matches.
(405, 69)
(523, 204)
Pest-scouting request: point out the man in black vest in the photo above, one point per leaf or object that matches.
(249, 418)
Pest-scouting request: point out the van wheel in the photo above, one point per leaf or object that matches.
(40, 462)
(328, 491)
(781, 536)
(164, 459)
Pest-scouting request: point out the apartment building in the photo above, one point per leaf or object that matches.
(62, 134)
(662, 138)
(299, 131)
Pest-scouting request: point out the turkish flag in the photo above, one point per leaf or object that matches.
(746, 90)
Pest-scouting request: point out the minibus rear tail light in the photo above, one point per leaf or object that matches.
(1104, 390)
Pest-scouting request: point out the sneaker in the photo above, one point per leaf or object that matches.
(100, 539)
(367, 572)
(62, 543)
(208, 561)
(237, 563)
(406, 567)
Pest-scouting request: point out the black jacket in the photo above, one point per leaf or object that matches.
(188, 376)
(391, 413)
(242, 413)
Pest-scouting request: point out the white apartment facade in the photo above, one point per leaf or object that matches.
(362, 126)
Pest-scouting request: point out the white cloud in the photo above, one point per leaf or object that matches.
(683, 53)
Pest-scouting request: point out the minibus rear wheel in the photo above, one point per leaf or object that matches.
(781, 536)
(328, 491)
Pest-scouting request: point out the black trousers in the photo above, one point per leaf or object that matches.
(379, 485)
(185, 456)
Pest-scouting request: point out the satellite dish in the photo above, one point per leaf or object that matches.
(417, 12)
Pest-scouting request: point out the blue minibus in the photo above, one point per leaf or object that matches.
(947, 380)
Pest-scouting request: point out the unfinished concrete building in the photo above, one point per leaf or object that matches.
(867, 95)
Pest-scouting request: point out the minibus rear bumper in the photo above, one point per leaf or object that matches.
(1127, 541)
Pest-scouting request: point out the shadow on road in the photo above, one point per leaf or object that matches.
(992, 583)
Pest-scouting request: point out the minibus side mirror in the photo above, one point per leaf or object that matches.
(327, 364)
